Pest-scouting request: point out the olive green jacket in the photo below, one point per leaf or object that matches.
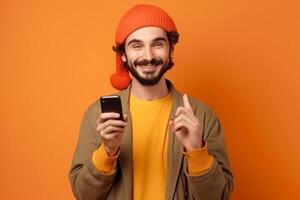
(88, 184)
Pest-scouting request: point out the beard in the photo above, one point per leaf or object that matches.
(155, 61)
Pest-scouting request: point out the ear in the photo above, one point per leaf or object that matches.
(172, 49)
(123, 57)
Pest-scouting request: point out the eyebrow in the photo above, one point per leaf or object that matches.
(140, 41)
(133, 41)
(160, 39)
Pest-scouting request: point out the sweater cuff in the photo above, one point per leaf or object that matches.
(199, 161)
(104, 163)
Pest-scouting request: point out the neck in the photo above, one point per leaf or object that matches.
(156, 91)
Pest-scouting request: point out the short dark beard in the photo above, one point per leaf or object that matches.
(145, 81)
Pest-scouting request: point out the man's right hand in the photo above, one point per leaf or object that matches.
(111, 131)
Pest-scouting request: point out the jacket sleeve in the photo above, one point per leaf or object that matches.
(217, 182)
(86, 181)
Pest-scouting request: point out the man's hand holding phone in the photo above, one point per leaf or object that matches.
(110, 125)
(111, 129)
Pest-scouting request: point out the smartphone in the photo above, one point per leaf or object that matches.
(112, 103)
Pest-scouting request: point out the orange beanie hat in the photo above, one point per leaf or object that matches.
(139, 16)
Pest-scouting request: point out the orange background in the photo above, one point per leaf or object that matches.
(240, 57)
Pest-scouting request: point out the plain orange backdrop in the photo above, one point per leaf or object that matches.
(240, 57)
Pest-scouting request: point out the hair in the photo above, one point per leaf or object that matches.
(173, 38)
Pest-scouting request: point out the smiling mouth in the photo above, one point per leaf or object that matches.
(148, 69)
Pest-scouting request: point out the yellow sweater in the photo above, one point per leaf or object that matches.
(149, 145)
(149, 125)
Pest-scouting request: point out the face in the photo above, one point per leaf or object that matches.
(147, 55)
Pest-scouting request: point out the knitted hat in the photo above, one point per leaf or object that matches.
(138, 17)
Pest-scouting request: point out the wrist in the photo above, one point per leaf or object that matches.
(197, 146)
(111, 152)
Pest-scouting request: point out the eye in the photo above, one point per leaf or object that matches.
(136, 46)
(158, 44)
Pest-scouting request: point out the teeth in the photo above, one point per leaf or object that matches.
(148, 67)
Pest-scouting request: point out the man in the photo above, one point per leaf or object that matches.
(169, 146)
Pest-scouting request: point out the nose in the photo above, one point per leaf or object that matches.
(148, 53)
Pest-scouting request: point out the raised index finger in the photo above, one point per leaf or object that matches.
(186, 102)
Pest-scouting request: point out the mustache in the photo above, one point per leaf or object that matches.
(144, 62)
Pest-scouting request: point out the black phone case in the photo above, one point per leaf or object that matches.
(111, 104)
